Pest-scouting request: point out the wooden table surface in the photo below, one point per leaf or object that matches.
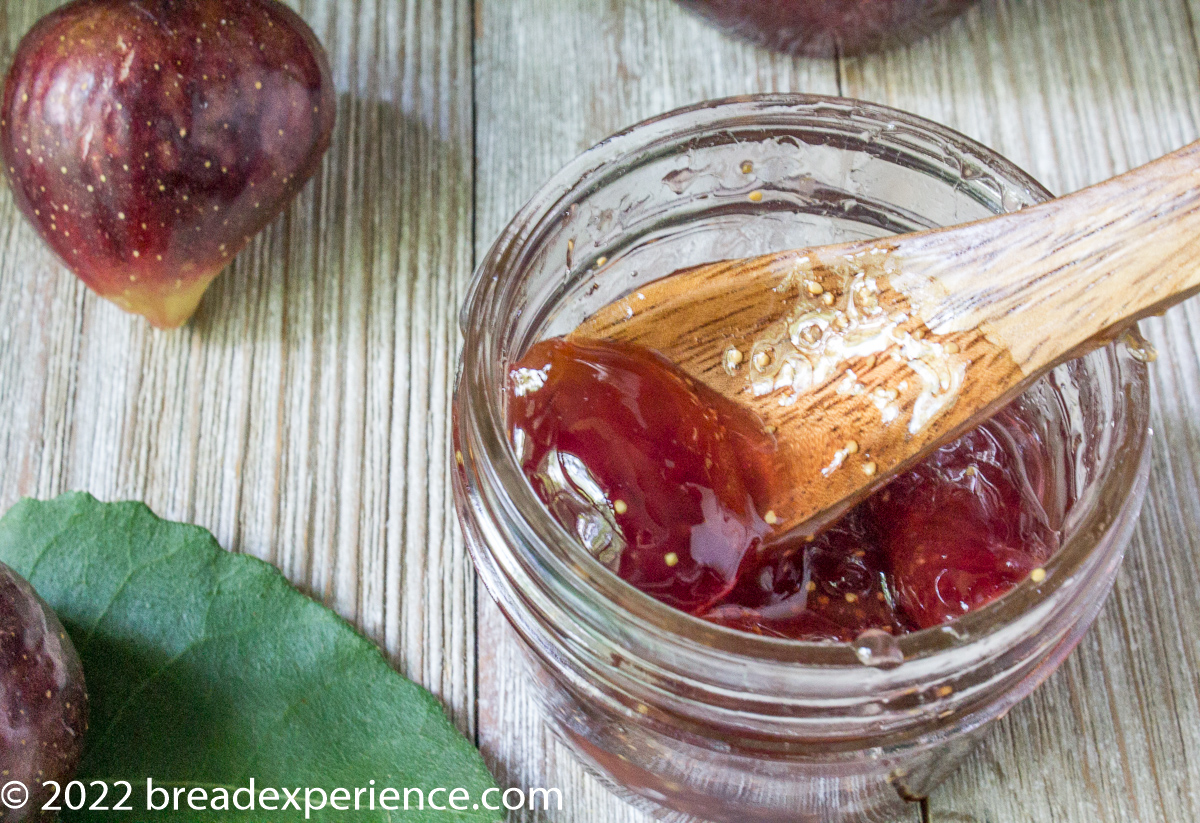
(302, 416)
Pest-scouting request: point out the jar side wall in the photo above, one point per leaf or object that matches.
(962, 691)
(974, 176)
(611, 648)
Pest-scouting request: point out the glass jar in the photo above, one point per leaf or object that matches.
(682, 717)
(825, 28)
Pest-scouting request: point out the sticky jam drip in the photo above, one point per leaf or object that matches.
(663, 481)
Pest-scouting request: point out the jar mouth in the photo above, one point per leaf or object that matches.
(594, 595)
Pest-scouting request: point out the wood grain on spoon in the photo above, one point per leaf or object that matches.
(865, 356)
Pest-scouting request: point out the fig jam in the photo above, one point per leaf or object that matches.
(662, 480)
(825, 28)
(654, 472)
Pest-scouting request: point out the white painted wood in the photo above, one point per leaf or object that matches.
(1073, 90)
(1076, 92)
(552, 78)
(302, 416)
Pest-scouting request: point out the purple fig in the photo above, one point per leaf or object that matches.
(150, 140)
(43, 702)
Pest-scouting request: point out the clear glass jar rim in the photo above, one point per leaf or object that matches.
(579, 580)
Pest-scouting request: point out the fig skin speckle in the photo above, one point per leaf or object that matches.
(148, 141)
(43, 701)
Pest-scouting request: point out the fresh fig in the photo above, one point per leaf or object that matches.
(43, 702)
(150, 140)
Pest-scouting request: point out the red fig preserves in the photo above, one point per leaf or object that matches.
(662, 479)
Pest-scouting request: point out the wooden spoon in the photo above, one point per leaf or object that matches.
(863, 357)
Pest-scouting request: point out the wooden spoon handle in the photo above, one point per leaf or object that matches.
(1090, 264)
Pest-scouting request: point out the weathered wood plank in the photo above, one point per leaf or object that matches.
(552, 78)
(1076, 92)
(303, 415)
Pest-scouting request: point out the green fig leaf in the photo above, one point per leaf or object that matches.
(206, 669)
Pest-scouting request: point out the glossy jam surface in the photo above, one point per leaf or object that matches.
(653, 472)
(661, 480)
(966, 526)
(825, 28)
